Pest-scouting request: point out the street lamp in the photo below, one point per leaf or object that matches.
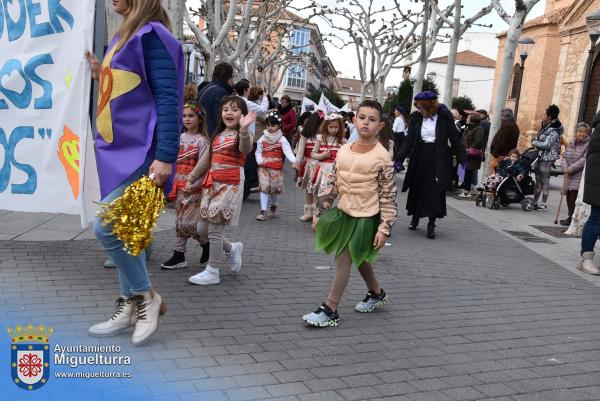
(592, 22)
(525, 45)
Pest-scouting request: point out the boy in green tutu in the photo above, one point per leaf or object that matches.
(355, 230)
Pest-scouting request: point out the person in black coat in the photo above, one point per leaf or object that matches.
(591, 196)
(210, 95)
(429, 173)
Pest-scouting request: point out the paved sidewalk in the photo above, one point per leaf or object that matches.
(473, 315)
(23, 226)
(563, 251)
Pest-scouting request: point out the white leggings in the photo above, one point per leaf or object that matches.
(264, 200)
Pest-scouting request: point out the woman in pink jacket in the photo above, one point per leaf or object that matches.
(572, 165)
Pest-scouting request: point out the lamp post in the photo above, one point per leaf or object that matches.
(524, 47)
(592, 22)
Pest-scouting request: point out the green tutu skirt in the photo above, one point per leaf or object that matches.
(336, 230)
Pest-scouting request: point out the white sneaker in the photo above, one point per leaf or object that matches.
(308, 213)
(209, 275)
(586, 264)
(371, 301)
(322, 317)
(235, 256)
(148, 307)
(123, 318)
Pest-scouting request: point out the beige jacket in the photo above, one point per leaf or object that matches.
(365, 184)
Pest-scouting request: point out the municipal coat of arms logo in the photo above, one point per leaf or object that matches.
(30, 355)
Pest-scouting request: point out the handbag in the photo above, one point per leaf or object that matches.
(474, 153)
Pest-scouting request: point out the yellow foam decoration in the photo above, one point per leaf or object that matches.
(113, 83)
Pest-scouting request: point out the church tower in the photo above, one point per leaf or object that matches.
(553, 5)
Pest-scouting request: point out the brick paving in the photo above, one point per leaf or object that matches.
(473, 315)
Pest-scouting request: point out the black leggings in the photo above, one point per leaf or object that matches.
(468, 180)
(571, 198)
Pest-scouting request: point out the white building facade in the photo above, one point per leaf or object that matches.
(473, 77)
(315, 71)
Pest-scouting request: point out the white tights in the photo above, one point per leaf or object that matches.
(264, 200)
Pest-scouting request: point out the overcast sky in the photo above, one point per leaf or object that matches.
(348, 69)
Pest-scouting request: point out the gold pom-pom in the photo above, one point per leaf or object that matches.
(134, 214)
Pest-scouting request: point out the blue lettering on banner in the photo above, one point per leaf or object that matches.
(28, 187)
(15, 28)
(56, 10)
(28, 74)
(20, 100)
(37, 29)
(30, 10)
(44, 101)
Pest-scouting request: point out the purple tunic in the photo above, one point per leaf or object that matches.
(133, 112)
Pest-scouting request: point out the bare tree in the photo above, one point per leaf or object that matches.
(176, 10)
(433, 21)
(458, 30)
(381, 37)
(218, 24)
(515, 27)
(251, 36)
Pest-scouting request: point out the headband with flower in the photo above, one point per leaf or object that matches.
(333, 116)
(195, 107)
(274, 116)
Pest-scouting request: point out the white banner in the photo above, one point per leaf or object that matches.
(308, 105)
(44, 103)
(326, 105)
(346, 107)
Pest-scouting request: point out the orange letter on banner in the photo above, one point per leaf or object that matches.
(68, 153)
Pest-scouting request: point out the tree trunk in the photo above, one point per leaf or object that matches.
(449, 81)
(504, 82)
(381, 90)
(209, 65)
(510, 46)
(175, 9)
(423, 57)
(363, 91)
(113, 21)
(420, 77)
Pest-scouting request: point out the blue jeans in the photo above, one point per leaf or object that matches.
(133, 275)
(591, 231)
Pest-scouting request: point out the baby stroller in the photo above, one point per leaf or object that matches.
(510, 190)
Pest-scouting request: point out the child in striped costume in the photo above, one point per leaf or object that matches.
(332, 137)
(271, 149)
(306, 163)
(193, 143)
(223, 187)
